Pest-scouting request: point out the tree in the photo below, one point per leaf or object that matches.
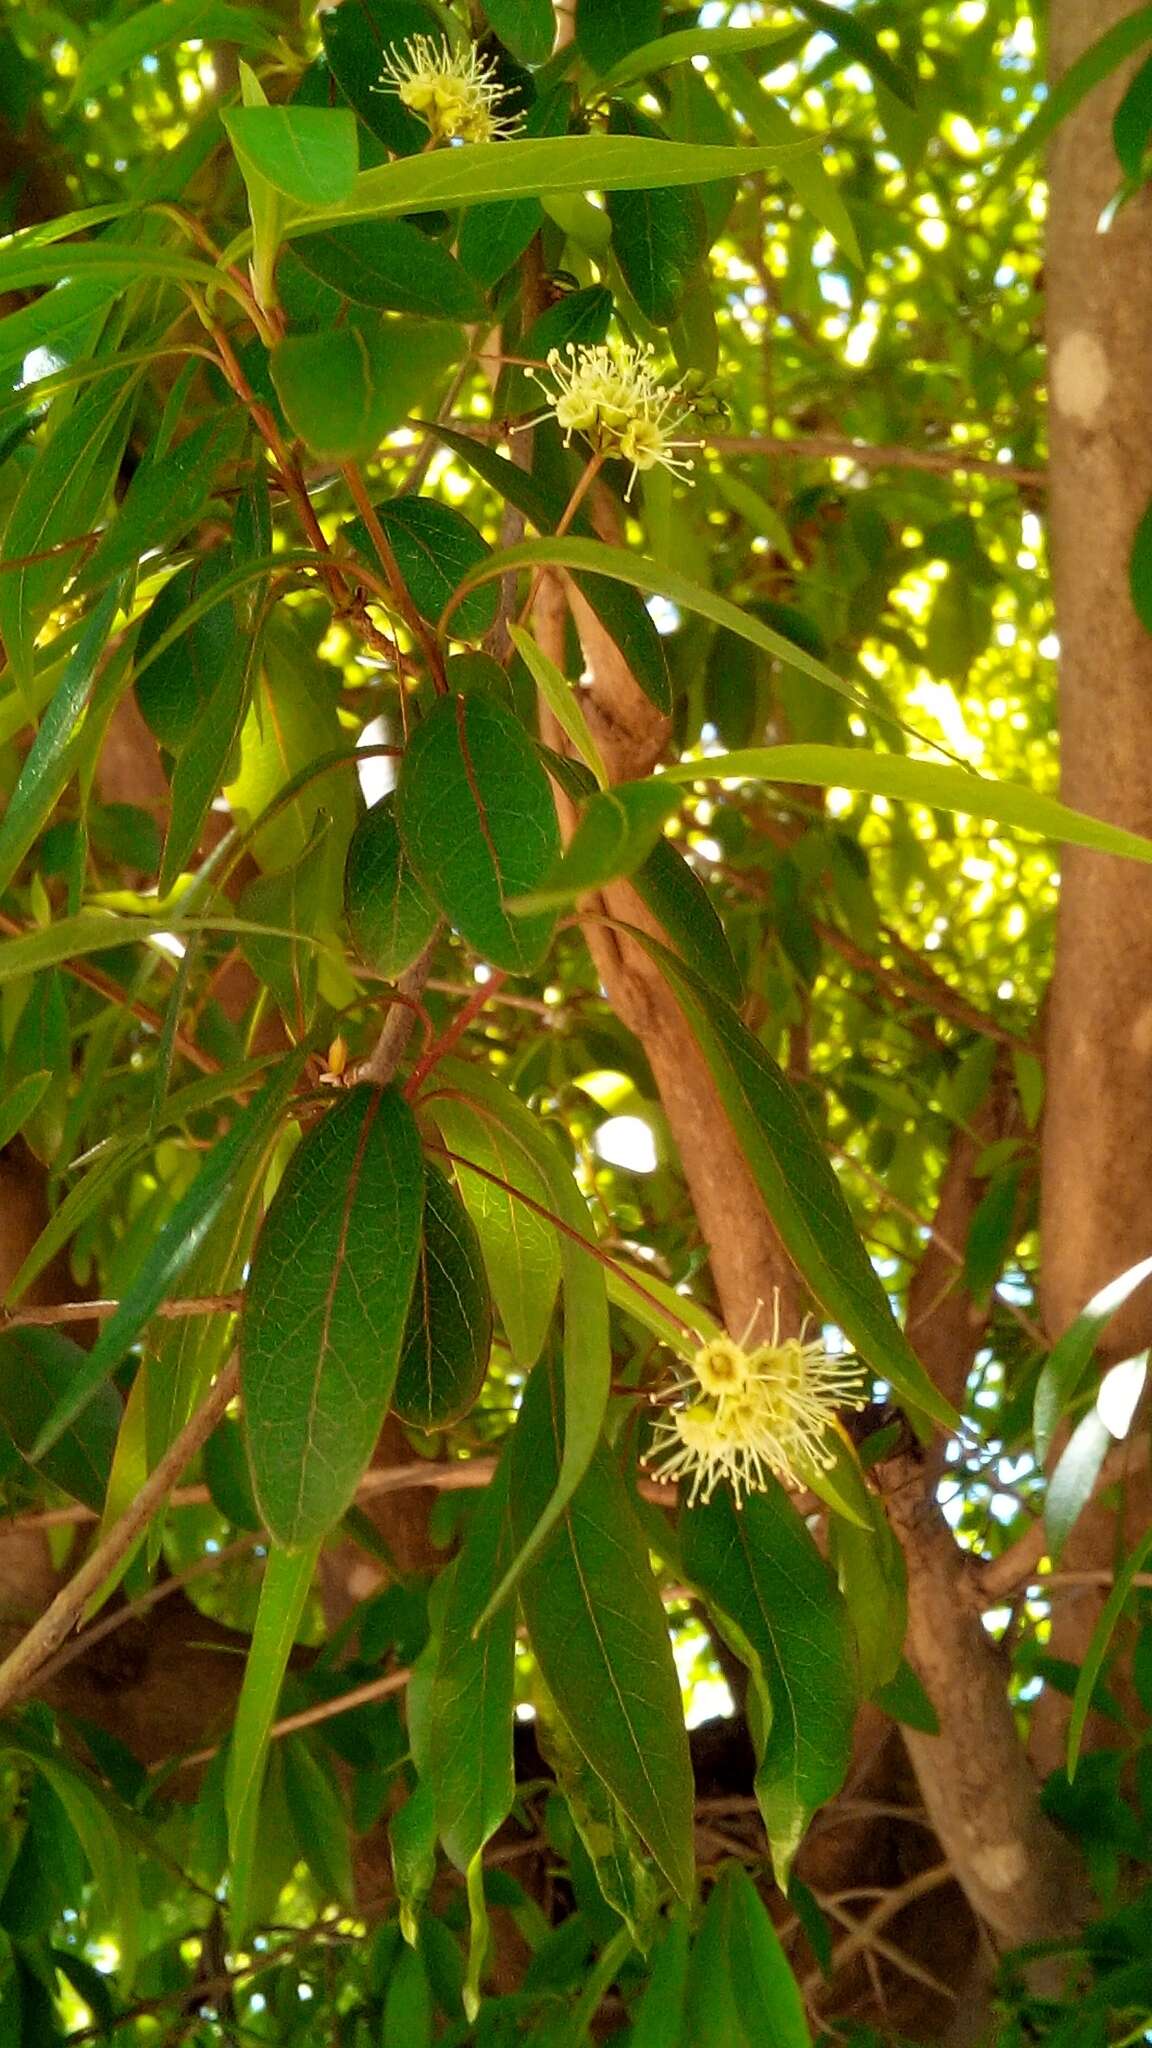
(528, 881)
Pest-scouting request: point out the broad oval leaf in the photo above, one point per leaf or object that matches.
(390, 914)
(597, 1629)
(325, 1310)
(478, 823)
(309, 154)
(449, 1333)
(392, 266)
(778, 1606)
(344, 388)
(435, 547)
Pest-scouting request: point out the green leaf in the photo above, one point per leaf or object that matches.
(859, 45)
(41, 1043)
(519, 1248)
(905, 1700)
(287, 1578)
(449, 1333)
(777, 1605)
(319, 1820)
(473, 1688)
(562, 699)
(800, 1190)
(209, 747)
(1103, 57)
(20, 1102)
(174, 1245)
(935, 784)
(293, 722)
(770, 123)
(148, 30)
(62, 495)
(392, 266)
(49, 322)
(1140, 570)
(658, 2018)
(660, 238)
(678, 899)
(105, 1832)
(164, 499)
(605, 31)
(620, 611)
(587, 1357)
(37, 1367)
(225, 1466)
(390, 914)
(1098, 1648)
(617, 831)
(597, 1629)
(1132, 122)
(344, 388)
(300, 899)
(310, 154)
(526, 27)
(870, 1567)
(682, 44)
(324, 1314)
(1072, 1354)
(478, 824)
(529, 166)
(50, 759)
(1074, 1480)
(741, 1991)
(492, 237)
(434, 547)
(174, 686)
(121, 263)
(357, 40)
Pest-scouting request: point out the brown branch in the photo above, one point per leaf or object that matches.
(99, 1311)
(1019, 1564)
(325, 1710)
(873, 455)
(49, 1632)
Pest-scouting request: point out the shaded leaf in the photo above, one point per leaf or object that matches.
(449, 1333)
(324, 1314)
(473, 1688)
(741, 1991)
(434, 547)
(392, 266)
(344, 388)
(660, 238)
(519, 1248)
(390, 914)
(37, 1368)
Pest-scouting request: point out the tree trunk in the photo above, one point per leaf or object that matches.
(1097, 1184)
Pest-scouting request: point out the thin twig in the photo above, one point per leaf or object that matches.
(99, 1311)
(953, 460)
(49, 1632)
(324, 1710)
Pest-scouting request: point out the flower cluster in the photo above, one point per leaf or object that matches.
(610, 393)
(755, 1412)
(454, 91)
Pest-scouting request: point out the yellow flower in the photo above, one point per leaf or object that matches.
(768, 1409)
(454, 91)
(610, 393)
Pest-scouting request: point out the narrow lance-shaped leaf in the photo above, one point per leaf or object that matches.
(778, 1606)
(519, 1248)
(597, 1628)
(587, 1357)
(527, 168)
(177, 1242)
(800, 1189)
(471, 1708)
(740, 1988)
(287, 1577)
(325, 1310)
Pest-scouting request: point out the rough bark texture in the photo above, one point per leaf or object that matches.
(1097, 1195)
